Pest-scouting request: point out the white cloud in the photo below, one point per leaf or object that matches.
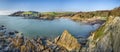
(5, 12)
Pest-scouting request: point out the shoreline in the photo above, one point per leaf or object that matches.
(16, 39)
(104, 39)
(86, 21)
(61, 31)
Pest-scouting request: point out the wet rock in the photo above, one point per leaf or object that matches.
(16, 31)
(11, 33)
(2, 26)
(1, 33)
(82, 41)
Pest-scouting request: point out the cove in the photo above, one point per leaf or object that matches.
(46, 28)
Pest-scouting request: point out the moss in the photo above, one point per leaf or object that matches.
(99, 32)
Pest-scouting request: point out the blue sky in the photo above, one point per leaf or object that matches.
(57, 5)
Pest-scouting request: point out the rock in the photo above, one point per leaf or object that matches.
(76, 17)
(23, 48)
(2, 26)
(82, 41)
(39, 41)
(48, 42)
(47, 50)
(19, 35)
(1, 33)
(30, 46)
(40, 47)
(68, 41)
(11, 33)
(17, 42)
(60, 49)
(106, 38)
(16, 31)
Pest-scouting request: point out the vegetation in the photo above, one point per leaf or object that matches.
(28, 12)
(57, 14)
(99, 32)
(77, 15)
(92, 14)
(115, 12)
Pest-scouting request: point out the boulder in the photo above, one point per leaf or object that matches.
(19, 35)
(68, 41)
(23, 48)
(11, 33)
(1, 33)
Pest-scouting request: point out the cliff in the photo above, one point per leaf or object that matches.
(106, 38)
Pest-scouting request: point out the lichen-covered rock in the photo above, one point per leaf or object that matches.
(68, 41)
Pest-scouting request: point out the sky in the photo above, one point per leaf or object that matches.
(8, 6)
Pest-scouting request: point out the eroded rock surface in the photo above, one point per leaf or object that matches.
(107, 37)
(18, 43)
(68, 41)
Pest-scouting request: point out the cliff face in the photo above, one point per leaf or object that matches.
(68, 41)
(107, 37)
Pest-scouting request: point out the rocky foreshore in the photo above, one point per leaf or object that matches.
(16, 42)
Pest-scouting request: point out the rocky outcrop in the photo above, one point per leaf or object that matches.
(18, 43)
(106, 38)
(68, 41)
(21, 44)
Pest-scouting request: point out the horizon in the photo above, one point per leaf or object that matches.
(11, 6)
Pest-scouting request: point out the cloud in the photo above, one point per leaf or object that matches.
(5, 12)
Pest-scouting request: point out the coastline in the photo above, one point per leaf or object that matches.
(64, 41)
(19, 42)
(104, 39)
